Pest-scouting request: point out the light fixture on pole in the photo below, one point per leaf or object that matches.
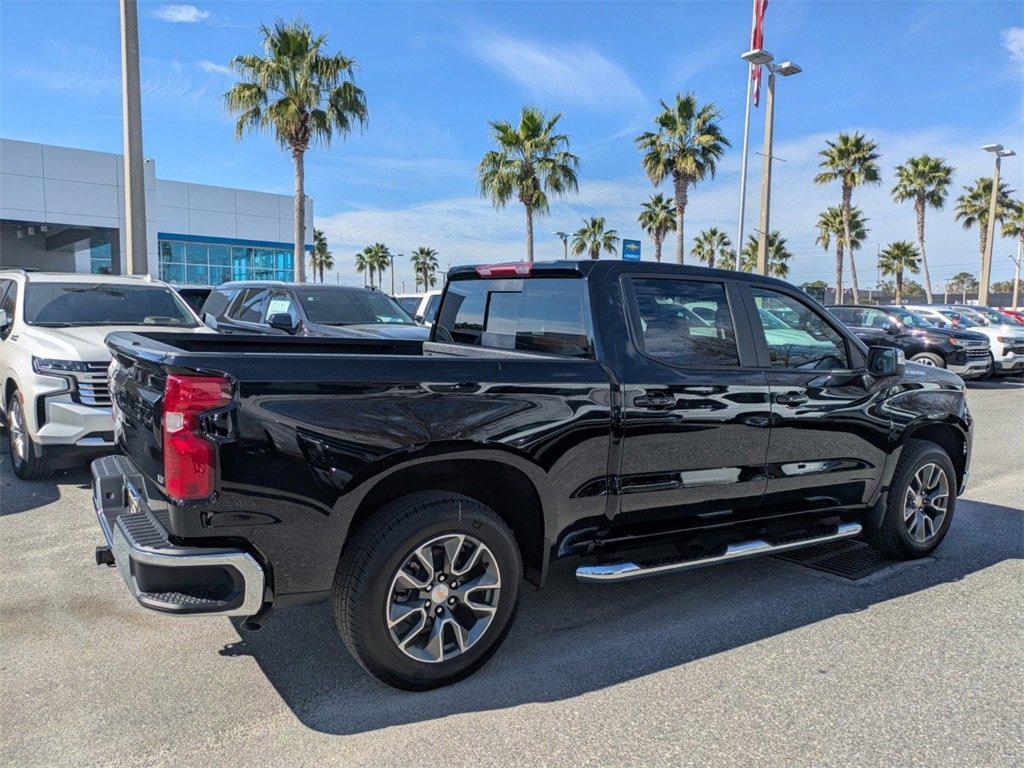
(565, 242)
(986, 259)
(760, 57)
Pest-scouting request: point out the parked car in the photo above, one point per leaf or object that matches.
(194, 295)
(986, 315)
(53, 362)
(1013, 314)
(559, 409)
(421, 306)
(295, 309)
(1006, 340)
(962, 352)
(941, 316)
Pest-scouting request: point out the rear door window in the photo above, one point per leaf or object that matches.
(685, 323)
(431, 311)
(248, 307)
(547, 315)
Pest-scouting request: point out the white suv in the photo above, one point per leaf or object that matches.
(422, 307)
(53, 362)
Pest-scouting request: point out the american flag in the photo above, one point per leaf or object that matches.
(757, 41)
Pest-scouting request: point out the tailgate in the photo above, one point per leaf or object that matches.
(136, 394)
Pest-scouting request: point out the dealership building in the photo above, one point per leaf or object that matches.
(62, 210)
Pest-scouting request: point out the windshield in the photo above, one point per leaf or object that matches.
(909, 319)
(996, 318)
(409, 303)
(352, 308)
(958, 319)
(63, 305)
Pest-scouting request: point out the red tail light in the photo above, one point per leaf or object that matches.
(189, 456)
(520, 269)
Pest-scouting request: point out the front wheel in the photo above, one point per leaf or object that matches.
(427, 589)
(928, 358)
(920, 504)
(24, 462)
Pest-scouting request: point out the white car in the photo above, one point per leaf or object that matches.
(53, 362)
(422, 307)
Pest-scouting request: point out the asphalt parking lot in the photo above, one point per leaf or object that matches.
(762, 662)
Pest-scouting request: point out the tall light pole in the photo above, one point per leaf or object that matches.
(565, 242)
(136, 262)
(392, 257)
(986, 260)
(1016, 272)
(786, 68)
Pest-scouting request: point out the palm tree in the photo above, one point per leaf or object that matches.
(321, 259)
(424, 262)
(592, 238)
(531, 162)
(778, 255)
(380, 259)
(853, 161)
(925, 180)
(364, 264)
(897, 258)
(657, 219)
(300, 95)
(830, 226)
(686, 147)
(973, 205)
(714, 247)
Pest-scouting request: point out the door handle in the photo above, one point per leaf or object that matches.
(791, 398)
(659, 400)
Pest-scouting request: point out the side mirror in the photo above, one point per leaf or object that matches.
(282, 321)
(892, 329)
(4, 319)
(418, 318)
(886, 361)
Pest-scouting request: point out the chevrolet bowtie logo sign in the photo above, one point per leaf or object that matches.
(631, 250)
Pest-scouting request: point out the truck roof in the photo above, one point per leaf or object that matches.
(587, 267)
(79, 277)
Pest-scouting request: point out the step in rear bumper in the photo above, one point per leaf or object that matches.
(165, 577)
(627, 571)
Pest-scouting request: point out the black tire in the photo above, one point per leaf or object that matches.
(929, 358)
(24, 462)
(370, 562)
(893, 537)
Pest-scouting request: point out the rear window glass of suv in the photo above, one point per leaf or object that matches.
(347, 307)
(59, 305)
(546, 315)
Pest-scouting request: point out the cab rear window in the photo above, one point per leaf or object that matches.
(547, 315)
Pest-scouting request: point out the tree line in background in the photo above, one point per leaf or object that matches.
(303, 96)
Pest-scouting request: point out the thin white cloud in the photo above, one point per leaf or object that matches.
(213, 68)
(1013, 42)
(181, 14)
(571, 73)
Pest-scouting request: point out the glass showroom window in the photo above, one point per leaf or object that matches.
(200, 263)
(100, 261)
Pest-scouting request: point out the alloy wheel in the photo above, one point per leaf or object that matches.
(443, 598)
(19, 435)
(926, 501)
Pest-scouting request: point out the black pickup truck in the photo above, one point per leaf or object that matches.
(963, 352)
(639, 417)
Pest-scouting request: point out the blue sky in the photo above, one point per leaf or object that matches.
(939, 77)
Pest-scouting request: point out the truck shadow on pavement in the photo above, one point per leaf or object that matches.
(569, 638)
(17, 496)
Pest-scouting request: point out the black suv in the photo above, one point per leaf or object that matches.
(296, 309)
(962, 352)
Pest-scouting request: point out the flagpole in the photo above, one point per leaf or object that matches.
(743, 170)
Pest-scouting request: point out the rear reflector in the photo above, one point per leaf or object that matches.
(189, 457)
(519, 269)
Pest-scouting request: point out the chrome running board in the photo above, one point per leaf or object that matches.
(627, 571)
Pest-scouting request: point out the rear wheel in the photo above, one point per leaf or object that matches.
(427, 590)
(920, 504)
(24, 462)
(928, 358)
